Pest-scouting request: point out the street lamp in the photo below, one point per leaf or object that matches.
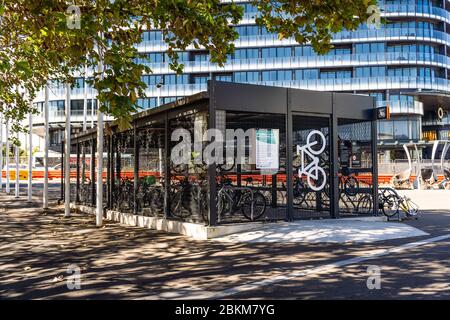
(159, 85)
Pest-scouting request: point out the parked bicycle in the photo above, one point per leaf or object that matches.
(150, 195)
(187, 198)
(391, 203)
(348, 182)
(123, 195)
(85, 192)
(231, 199)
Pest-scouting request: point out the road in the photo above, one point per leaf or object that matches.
(119, 262)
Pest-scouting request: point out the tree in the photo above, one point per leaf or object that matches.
(37, 44)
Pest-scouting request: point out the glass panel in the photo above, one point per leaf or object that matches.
(311, 166)
(85, 192)
(123, 189)
(355, 167)
(151, 144)
(254, 142)
(188, 195)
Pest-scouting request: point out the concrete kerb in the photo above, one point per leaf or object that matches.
(194, 230)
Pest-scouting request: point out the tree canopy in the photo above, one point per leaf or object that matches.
(37, 44)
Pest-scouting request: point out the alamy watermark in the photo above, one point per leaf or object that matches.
(74, 279)
(74, 17)
(374, 280)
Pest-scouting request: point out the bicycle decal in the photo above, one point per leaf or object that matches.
(315, 175)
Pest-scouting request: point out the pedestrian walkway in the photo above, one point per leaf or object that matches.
(327, 231)
(122, 262)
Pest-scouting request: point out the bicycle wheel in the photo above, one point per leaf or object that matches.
(413, 209)
(390, 206)
(156, 201)
(223, 205)
(351, 186)
(299, 194)
(176, 205)
(259, 205)
(365, 204)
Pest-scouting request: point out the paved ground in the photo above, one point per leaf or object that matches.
(118, 262)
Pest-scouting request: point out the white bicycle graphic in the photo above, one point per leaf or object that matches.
(315, 175)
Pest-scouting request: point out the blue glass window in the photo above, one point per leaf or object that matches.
(224, 77)
(243, 77)
(200, 79)
(152, 36)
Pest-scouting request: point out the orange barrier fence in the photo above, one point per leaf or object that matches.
(281, 178)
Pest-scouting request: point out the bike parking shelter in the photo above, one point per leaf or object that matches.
(307, 154)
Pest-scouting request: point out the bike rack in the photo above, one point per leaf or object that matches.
(444, 153)
(395, 193)
(416, 183)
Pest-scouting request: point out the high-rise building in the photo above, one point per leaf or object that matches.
(404, 64)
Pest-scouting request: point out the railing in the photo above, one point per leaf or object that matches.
(60, 94)
(400, 165)
(403, 107)
(316, 61)
(60, 116)
(341, 84)
(386, 10)
(382, 34)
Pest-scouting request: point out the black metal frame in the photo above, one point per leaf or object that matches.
(232, 97)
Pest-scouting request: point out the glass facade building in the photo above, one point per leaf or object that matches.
(404, 64)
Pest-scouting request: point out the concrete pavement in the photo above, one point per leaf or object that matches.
(119, 262)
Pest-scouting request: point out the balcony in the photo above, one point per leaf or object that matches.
(59, 116)
(387, 10)
(347, 60)
(384, 34)
(343, 84)
(403, 107)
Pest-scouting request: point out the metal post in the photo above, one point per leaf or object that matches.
(136, 170)
(212, 167)
(17, 153)
(62, 170)
(334, 183)
(374, 162)
(1, 152)
(160, 162)
(274, 191)
(67, 156)
(30, 158)
(77, 190)
(158, 92)
(289, 159)
(85, 100)
(92, 112)
(112, 171)
(8, 177)
(46, 144)
(92, 172)
(108, 173)
(167, 212)
(99, 202)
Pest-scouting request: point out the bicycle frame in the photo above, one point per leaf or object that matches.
(231, 195)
